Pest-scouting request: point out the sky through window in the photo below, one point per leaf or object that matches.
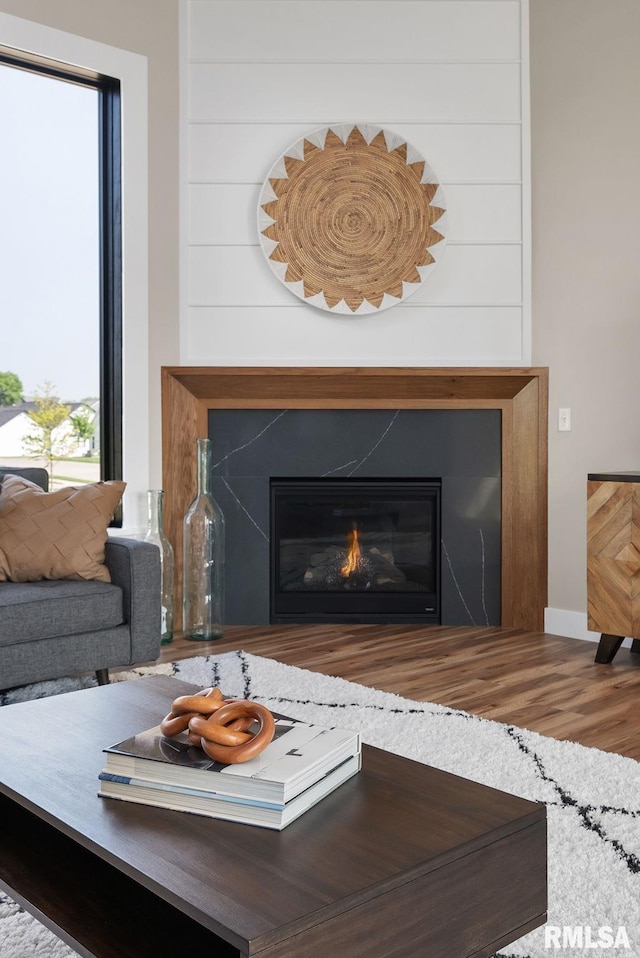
(49, 233)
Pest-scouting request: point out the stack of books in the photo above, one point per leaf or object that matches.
(300, 766)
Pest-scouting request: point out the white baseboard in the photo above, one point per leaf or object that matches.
(573, 625)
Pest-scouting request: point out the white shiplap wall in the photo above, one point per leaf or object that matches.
(450, 76)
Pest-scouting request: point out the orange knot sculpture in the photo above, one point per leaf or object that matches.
(221, 727)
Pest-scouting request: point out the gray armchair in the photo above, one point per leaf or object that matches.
(55, 628)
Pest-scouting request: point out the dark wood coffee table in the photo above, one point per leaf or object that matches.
(403, 860)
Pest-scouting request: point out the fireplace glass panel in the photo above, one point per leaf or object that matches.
(350, 550)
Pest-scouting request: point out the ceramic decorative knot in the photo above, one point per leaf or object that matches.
(346, 219)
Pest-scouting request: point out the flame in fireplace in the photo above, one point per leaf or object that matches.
(353, 554)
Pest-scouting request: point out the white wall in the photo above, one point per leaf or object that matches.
(585, 77)
(450, 76)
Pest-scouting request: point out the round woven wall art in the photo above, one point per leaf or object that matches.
(351, 219)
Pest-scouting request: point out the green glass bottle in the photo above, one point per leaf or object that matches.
(203, 557)
(156, 534)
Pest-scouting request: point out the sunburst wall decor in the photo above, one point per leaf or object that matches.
(346, 219)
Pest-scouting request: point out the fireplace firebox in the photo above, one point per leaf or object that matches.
(345, 550)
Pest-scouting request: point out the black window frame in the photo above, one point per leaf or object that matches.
(110, 250)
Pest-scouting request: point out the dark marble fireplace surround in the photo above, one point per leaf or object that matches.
(461, 447)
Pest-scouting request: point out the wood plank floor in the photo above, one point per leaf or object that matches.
(546, 683)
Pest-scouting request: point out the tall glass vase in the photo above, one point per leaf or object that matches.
(203, 557)
(156, 534)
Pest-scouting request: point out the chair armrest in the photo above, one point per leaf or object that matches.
(134, 566)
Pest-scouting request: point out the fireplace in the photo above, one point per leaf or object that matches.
(262, 423)
(354, 550)
(461, 448)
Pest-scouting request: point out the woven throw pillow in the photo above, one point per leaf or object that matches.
(55, 535)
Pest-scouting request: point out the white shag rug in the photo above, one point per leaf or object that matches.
(592, 797)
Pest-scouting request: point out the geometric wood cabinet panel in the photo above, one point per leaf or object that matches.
(613, 559)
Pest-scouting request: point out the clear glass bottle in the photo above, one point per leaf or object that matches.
(203, 557)
(156, 534)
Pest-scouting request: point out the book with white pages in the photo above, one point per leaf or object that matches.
(227, 807)
(299, 755)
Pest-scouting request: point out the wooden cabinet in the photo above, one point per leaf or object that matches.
(613, 560)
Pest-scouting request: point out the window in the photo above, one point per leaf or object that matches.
(131, 70)
(61, 242)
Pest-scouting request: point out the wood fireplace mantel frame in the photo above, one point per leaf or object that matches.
(521, 394)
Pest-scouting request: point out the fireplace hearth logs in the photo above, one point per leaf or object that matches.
(354, 549)
(355, 568)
